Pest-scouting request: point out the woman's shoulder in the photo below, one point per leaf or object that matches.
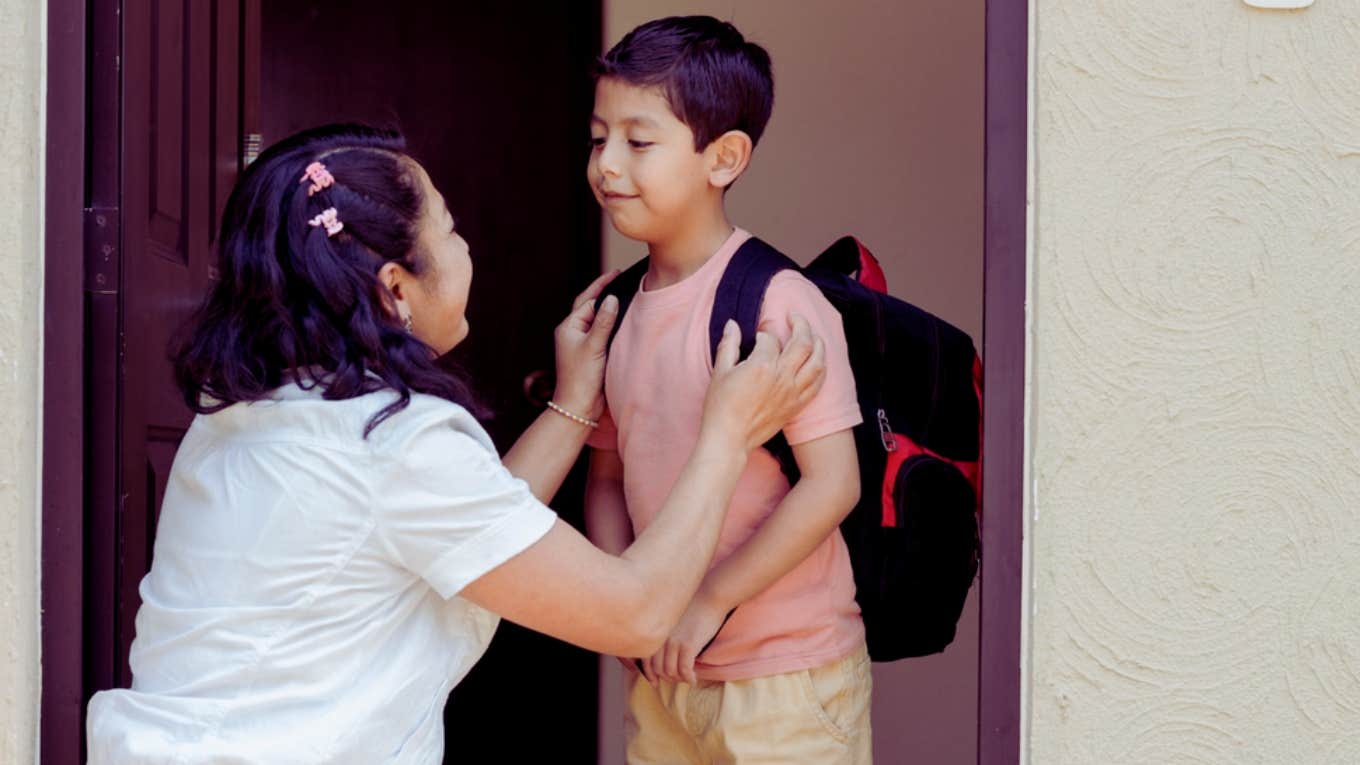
(429, 418)
(304, 415)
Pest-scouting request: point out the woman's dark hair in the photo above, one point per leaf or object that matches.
(713, 79)
(291, 299)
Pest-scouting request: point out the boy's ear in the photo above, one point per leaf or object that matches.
(730, 153)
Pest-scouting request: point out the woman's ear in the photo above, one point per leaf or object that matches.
(731, 153)
(393, 277)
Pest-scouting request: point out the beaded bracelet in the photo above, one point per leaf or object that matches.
(573, 417)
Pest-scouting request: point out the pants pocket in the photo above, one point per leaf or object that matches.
(838, 695)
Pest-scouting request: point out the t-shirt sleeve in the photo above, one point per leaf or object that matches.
(450, 512)
(835, 408)
(606, 436)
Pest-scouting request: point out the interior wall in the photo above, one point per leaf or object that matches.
(1195, 384)
(877, 131)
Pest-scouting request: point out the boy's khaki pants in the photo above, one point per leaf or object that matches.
(818, 716)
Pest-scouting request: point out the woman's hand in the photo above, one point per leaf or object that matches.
(748, 403)
(582, 340)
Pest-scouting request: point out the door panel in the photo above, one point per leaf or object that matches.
(180, 145)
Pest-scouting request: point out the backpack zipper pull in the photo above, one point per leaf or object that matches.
(885, 432)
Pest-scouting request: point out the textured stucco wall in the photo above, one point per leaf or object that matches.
(21, 38)
(1194, 530)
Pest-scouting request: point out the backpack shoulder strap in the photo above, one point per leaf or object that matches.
(742, 291)
(624, 287)
(740, 295)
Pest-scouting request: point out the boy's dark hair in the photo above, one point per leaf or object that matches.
(292, 300)
(713, 79)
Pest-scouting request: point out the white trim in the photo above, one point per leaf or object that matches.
(1031, 497)
(41, 173)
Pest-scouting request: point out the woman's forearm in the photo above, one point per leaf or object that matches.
(624, 605)
(545, 452)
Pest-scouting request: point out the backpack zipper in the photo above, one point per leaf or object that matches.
(885, 432)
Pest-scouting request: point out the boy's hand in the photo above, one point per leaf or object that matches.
(675, 660)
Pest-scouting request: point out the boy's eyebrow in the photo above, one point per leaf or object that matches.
(638, 120)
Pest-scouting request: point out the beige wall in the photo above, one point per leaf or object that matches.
(21, 276)
(877, 131)
(1195, 541)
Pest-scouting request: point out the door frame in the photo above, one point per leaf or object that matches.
(1005, 239)
(63, 403)
(83, 103)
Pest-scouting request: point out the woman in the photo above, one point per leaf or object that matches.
(338, 537)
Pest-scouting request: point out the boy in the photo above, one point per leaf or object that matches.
(679, 105)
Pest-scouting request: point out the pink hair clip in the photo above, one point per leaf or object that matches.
(330, 220)
(319, 176)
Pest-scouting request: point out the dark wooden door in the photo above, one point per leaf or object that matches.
(187, 98)
(495, 102)
(494, 99)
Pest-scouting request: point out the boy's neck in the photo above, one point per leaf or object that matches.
(681, 255)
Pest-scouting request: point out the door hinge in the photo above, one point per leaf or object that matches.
(101, 250)
(250, 148)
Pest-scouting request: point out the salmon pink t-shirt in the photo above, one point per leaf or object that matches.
(658, 374)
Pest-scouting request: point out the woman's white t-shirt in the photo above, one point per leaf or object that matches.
(303, 602)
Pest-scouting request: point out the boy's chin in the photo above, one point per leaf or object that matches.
(636, 233)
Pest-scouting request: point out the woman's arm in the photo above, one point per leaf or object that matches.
(564, 586)
(543, 455)
(627, 605)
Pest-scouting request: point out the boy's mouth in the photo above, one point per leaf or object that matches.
(614, 196)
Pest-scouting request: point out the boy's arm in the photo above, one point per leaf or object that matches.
(607, 523)
(814, 507)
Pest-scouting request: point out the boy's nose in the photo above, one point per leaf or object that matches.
(607, 160)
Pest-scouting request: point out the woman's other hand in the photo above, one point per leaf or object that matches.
(582, 341)
(749, 402)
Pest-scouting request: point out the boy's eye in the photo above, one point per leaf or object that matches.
(640, 144)
(596, 143)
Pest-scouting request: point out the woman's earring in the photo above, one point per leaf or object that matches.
(408, 324)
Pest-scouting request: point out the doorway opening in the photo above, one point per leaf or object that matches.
(153, 108)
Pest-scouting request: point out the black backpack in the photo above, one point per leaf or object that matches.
(913, 537)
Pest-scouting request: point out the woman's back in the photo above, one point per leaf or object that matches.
(293, 611)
